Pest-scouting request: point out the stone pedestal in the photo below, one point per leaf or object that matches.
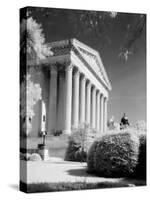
(43, 151)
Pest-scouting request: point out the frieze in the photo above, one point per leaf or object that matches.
(64, 47)
(61, 55)
(60, 47)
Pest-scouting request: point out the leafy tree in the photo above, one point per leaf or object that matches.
(134, 32)
(30, 94)
(32, 46)
(33, 40)
(141, 125)
(96, 24)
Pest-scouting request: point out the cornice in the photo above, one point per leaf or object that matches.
(62, 51)
(64, 47)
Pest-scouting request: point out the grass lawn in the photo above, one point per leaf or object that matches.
(63, 186)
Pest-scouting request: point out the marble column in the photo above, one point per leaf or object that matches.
(98, 110)
(105, 114)
(76, 100)
(52, 100)
(102, 113)
(68, 100)
(93, 120)
(60, 109)
(88, 103)
(82, 101)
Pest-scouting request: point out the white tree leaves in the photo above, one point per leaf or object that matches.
(30, 95)
(35, 45)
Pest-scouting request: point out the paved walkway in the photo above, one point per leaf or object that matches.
(57, 170)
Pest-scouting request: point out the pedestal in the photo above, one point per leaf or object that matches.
(43, 151)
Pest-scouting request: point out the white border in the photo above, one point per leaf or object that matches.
(9, 99)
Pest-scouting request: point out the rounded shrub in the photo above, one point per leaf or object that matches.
(116, 155)
(91, 157)
(27, 156)
(35, 157)
(80, 155)
(72, 148)
(75, 152)
(78, 144)
(141, 166)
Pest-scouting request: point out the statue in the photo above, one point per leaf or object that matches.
(124, 122)
(111, 123)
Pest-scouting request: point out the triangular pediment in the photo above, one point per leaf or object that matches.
(86, 54)
(93, 59)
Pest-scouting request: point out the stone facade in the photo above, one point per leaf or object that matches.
(75, 89)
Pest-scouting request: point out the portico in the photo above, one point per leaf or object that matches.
(78, 88)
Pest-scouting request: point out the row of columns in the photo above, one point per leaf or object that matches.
(83, 102)
(93, 105)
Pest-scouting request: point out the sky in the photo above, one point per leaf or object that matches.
(128, 78)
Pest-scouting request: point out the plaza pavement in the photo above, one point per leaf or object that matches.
(57, 170)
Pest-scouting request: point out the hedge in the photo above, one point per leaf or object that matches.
(91, 157)
(141, 166)
(75, 152)
(116, 155)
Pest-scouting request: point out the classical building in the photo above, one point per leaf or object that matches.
(75, 89)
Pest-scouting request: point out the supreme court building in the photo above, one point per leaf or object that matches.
(75, 89)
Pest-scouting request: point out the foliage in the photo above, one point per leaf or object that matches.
(80, 155)
(116, 155)
(32, 40)
(57, 133)
(35, 157)
(30, 94)
(97, 25)
(141, 166)
(74, 152)
(77, 145)
(91, 157)
(71, 149)
(140, 125)
(134, 31)
(80, 22)
(68, 186)
(79, 135)
(79, 142)
(32, 46)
